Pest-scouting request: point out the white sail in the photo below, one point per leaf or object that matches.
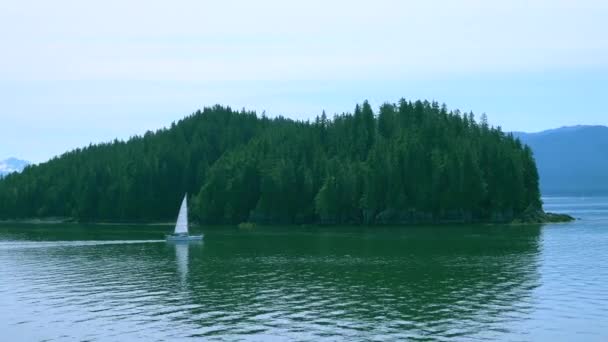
(181, 227)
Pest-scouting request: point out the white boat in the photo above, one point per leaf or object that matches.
(181, 226)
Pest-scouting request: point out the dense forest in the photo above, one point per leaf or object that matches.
(409, 162)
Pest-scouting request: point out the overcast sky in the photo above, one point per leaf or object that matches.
(75, 72)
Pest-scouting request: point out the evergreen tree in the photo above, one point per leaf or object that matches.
(414, 161)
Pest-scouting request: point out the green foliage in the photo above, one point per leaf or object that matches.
(413, 162)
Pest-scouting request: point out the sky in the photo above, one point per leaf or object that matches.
(80, 72)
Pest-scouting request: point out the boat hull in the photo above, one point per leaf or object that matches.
(183, 238)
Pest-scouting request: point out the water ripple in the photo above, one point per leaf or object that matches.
(418, 284)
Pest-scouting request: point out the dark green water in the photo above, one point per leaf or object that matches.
(119, 283)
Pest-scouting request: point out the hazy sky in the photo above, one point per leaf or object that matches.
(74, 72)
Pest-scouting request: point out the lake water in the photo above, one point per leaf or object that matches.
(119, 283)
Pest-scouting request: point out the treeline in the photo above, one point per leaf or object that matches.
(410, 162)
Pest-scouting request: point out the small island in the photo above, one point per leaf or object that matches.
(407, 163)
(540, 216)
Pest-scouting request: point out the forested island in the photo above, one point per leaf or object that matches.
(411, 162)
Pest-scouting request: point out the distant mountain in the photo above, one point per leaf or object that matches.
(571, 160)
(12, 165)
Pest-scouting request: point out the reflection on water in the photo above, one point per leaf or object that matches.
(181, 257)
(346, 283)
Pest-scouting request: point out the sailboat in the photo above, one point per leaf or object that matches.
(181, 226)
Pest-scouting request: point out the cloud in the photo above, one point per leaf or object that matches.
(72, 72)
(277, 40)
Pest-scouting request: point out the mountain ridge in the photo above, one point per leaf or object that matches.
(571, 160)
(12, 164)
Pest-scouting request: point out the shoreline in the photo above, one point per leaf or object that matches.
(529, 218)
(67, 220)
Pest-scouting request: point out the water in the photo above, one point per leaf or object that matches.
(119, 283)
